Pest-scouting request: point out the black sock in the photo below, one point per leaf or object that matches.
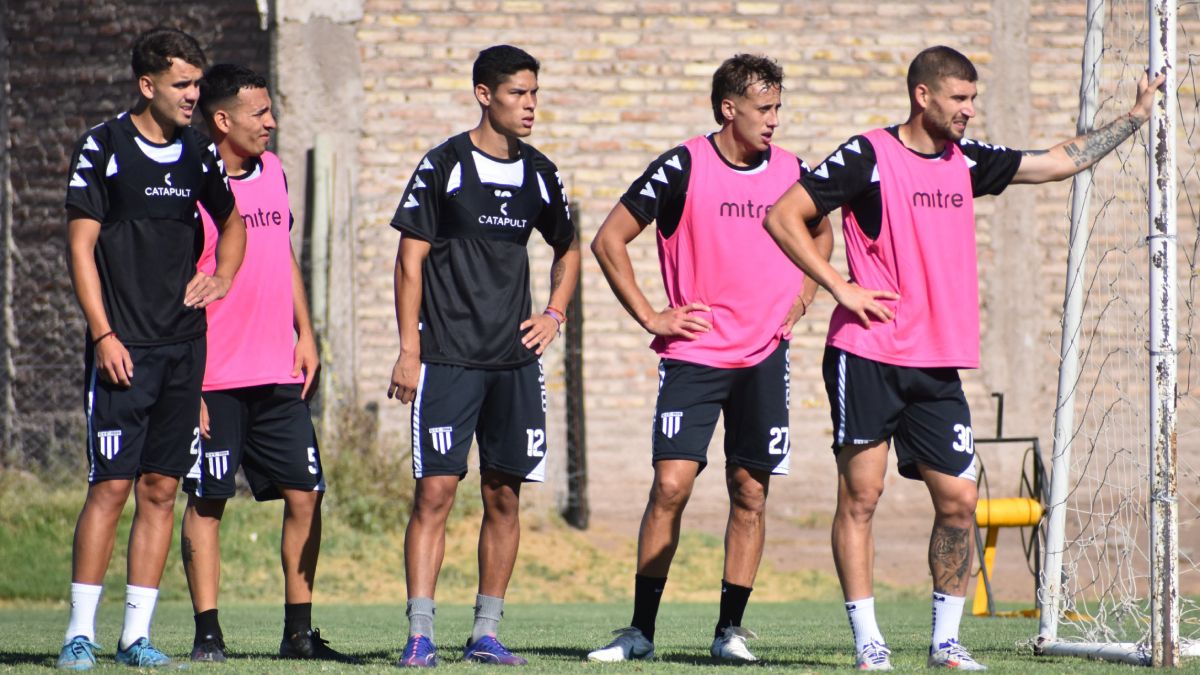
(297, 618)
(733, 606)
(207, 625)
(647, 592)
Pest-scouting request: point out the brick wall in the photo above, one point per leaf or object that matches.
(624, 81)
(69, 70)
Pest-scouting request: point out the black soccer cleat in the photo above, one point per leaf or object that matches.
(309, 644)
(210, 648)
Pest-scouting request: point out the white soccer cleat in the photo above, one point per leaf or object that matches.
(950, 654)
(630, 644)
(731, 645)
(873, 656)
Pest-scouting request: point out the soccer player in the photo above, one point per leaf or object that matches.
(908, 319)
(132, 248)
(723, 339)
(470, 342)
(257, 378)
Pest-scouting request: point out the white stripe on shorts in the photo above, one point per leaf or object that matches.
(969, 472)
(91, 430)
(662, 378)
(538, 474)
(418, 468)
(841, 431)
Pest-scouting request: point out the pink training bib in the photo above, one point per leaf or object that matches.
(721, 255)
(251, 340)
(926, 253)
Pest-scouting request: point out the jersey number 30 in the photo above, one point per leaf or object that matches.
(966, 439)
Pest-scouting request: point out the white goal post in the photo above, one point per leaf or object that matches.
(1110, 585)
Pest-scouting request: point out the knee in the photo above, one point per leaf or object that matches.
(432, 501)
(109, 495)
(670, 494)
(201, 509)
(859, 501)
(957, 507)
(157, 492)
(503, 505)
(749, 497)
(302, 505)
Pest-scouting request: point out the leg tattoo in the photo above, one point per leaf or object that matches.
(187, 550)
(949, 558)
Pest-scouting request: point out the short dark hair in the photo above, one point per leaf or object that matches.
(737, 73)
(223, 81)
(495, 64)
(154, 49)
(935, 64)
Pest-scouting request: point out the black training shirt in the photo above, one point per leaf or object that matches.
(144, 196)
(475, 282)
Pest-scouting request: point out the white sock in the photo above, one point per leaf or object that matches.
(84, 599)
(139, 610)
(862, 622)
(947, 612)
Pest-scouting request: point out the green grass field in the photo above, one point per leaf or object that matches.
(802, 625)
(800, 637)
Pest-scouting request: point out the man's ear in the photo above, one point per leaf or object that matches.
(221, 120)
(921, 94)
(728, 109)
(483, 95)
(146, 86)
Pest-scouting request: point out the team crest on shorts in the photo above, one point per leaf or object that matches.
(443, 438)
(218, 463)
(109, 442)
(670, 423)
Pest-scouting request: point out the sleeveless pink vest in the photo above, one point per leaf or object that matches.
(721, 255)
(926, 253)
(250, 336)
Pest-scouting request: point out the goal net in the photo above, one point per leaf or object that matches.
(1121, 578)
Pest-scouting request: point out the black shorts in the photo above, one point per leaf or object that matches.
(754, 400)
(504, 409)
(154, 425)
(923, 409)
(267, 430)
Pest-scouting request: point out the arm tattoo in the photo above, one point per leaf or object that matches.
(1097, 143)
(186, 549)
(557, 271)
(950, 558)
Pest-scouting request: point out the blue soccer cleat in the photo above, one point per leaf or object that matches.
(419, 652)
(142, 654)
(78, 654)
(488, 649)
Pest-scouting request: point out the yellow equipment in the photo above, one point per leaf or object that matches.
(995, 514)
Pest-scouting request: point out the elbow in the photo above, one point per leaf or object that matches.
(772, 225)
(598, 248)
(1069, 172)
